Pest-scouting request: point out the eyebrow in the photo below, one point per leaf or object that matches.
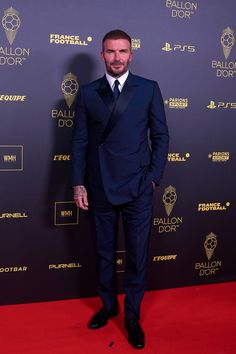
(119, 50)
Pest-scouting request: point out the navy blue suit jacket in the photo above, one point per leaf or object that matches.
(126, 145)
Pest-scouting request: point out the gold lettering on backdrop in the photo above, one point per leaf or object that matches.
(63, 114)
(220, 105)
(119, 261)
(61, 158)
(181, 5)
(182, 9)
(205, 207)
(169, 224)
(206, 265)
(8, 55)
(175, 157)
(177, 103)
(225, 69)
(15, 51)
(12, 98)
(168, 221)
(219, 156)
(179, 47)
(66, 213)
(13, 215)
(9, 158)
(14, 56)
(170, 257)
(211, 267)
(64, 39)
(69, 88)
(64, 266)
(65, 119)
(13, 269)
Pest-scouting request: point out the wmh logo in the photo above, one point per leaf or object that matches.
(9, 158)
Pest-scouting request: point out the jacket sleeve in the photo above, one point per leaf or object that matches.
(159, 136)
(79, 143)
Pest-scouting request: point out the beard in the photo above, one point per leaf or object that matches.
(117, 68)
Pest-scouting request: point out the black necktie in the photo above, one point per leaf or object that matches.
(116, 91)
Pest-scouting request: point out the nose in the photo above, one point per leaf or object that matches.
(117, 56)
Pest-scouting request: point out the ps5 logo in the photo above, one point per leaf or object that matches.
(179, 47)
(220, 105)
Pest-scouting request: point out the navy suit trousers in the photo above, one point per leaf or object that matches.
(137, 218)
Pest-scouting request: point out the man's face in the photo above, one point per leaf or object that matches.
(116, 54)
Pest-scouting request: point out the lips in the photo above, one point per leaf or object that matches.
(116, 64)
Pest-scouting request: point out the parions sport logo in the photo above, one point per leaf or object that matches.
(12, 55)
(219, 156)
(177, 103)
(135, 43)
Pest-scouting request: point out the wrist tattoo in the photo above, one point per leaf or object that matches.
(79, 190)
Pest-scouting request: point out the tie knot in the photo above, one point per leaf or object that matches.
(117, 83)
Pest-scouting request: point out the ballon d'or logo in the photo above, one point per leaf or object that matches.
(169, 198)
(70, 88)
(11, 23)
(227, 41)
(210, 245)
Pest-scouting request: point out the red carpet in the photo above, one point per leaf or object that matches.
(193, 320)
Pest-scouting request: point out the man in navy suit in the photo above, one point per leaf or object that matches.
(119, 151)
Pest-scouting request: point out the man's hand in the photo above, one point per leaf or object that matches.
(81, 197)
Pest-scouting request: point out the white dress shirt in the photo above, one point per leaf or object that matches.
(121, 80)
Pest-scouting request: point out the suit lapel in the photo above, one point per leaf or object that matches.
(121, 105)
(106, 94)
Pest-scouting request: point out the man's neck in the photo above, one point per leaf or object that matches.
(117, 76)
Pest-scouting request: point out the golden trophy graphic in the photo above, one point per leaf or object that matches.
(11, 23)
(210, 245)
(169, 198)
(227, 41)
(70, 88)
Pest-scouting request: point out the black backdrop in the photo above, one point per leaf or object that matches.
(47, 50)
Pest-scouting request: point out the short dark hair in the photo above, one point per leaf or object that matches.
(116, 34)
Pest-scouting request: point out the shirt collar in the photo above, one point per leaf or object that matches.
(121, 79)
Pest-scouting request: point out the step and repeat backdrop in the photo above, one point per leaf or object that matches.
(48, 49)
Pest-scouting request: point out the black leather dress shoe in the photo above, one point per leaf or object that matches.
(135, 333)
(101, 317)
